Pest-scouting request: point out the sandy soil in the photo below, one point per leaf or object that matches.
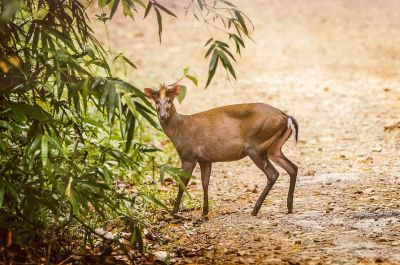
(335, 66)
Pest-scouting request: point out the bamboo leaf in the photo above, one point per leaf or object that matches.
(130, 129)
(212, 68)
(200, 3)
(193, 79)
(228, 52)
(159, 22)
(125, 59)
(140, 2)
(212, 47)
(103, 3)
(180, 183)
(126, 8)
(148, 8)
(164, 9)
(208, 42)
(137, 238)
(34, 112)
(55, 145)
(241, 21)
(220, 43)
(45, 150)
(114, 7)
(214, 61)
(226, 63)
(153, 200)
(107, 176)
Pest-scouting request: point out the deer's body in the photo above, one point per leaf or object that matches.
(226, 134)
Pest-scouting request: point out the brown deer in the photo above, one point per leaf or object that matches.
(227, 133)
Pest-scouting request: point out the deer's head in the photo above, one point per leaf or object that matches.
(163, 99)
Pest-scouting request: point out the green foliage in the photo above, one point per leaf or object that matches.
(72, 153)
(234, 24)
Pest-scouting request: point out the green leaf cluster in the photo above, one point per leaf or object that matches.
(72, 148)
(69, 128)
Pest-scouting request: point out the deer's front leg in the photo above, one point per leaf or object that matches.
(205, 180)
(188, 166)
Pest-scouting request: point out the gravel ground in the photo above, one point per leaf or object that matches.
(334, 65)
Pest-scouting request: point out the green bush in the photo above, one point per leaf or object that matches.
(70, 156)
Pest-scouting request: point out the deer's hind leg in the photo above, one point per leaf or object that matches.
(276, 155)
(272, 174)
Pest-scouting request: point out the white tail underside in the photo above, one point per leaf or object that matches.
(290, 125)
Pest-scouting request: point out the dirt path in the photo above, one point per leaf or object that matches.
(335, 66)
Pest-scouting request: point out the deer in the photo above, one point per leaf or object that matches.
(224, 134)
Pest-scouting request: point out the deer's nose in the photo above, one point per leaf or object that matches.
(163, 116)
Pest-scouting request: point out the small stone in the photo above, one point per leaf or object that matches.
(257, 238)
(277, 248)
(307, 242)
(251, 261)
(272, 261)
(297, 242)
(369, 191)
(377, 149)
(208, 254)
(162, 255)
(290, 261)
(242, 260)
(329, 210)
(230, 251)
(254, 190)
(241, 252)
(311, 173)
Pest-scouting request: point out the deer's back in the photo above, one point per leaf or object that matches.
(226, 133)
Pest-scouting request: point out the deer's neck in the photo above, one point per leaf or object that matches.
(171, 126)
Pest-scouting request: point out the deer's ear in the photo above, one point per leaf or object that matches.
(149, 92)
(175, 90)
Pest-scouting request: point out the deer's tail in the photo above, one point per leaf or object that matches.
(293, 125)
